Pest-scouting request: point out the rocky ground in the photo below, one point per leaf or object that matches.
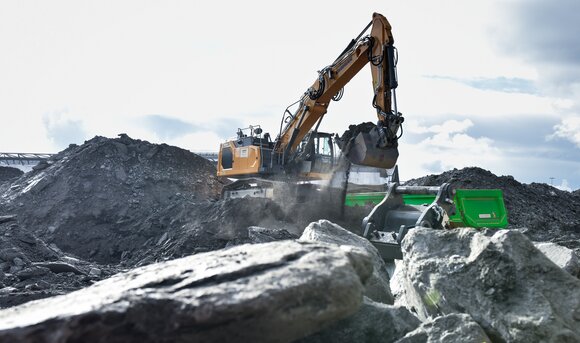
(192, 267)
(546, 213)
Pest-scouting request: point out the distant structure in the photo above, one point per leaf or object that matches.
(212, 156)
(23, 159)
(32, 159)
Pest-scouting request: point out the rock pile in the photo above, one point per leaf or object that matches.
(108, 197)
(9, 173)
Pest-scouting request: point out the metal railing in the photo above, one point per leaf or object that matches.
(212, 156)
(13, 158)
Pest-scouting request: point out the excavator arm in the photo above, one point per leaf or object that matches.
(377, 148)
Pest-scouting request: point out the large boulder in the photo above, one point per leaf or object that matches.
(499, 278)
(373, 323)
(450, 328)
(272, 292)
(377, 287)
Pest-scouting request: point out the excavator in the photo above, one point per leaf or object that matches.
(265, 168)
(300, 151)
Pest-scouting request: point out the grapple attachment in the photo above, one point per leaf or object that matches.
(388, 222)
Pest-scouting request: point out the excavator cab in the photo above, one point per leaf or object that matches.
(316, 155)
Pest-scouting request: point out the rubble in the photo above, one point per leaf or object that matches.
(258, 234)
(187, 228)
(271, 292)
(353, 130)
(511, 289)
(105, 197)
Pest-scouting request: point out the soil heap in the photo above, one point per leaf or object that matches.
(9, 173)
(102, 199)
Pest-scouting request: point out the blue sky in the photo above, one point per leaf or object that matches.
(492, 83)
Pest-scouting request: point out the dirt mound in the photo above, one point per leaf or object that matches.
(549, 213)
(186, 228)
(104, 197)
(9, 173)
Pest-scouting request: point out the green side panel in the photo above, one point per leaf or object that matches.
(481, 207)
(474, 207)
(362, 199)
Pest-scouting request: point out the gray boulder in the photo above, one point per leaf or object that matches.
(563, 257)
(272, 292)
(499, 278)
(450, 328)
(373, 323)
(397, 282)
(377, 287)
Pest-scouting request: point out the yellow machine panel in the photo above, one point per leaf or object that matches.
(233, 161)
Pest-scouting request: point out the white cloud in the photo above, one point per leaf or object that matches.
(448, 146)
(568, 128)
(198, 142)
(449, 126)
(63, 129)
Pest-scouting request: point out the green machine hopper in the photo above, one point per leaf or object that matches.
(401, 208)
(476, 208)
